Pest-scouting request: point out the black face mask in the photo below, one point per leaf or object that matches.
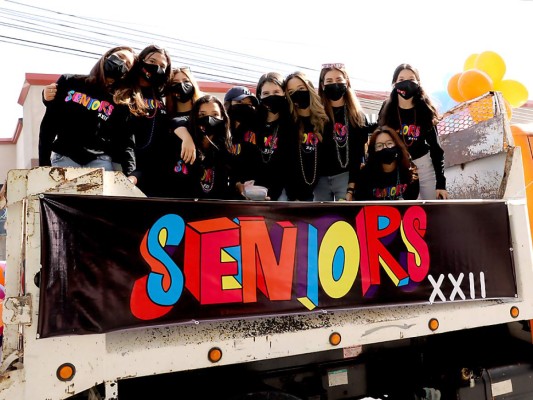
(184, 90)
(114, 67)
(334, 91)
(387, 156)
(274, 103)
(301, 99)
(153, 73)
(243, 113)
(214, 127)
(407, 89)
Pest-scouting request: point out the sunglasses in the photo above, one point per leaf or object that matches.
(336, 65)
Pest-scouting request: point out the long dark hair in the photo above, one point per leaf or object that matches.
(130, 92)
(193, 121)
(277, 79)
(404, 159)
(427, 113)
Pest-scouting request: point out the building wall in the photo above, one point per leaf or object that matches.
(33, 111)
(8, 159)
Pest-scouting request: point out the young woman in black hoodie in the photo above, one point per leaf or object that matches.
(410, 112)
(274, 130)
(82, 124)
(142, 93)
(208, 177)
(389, 173)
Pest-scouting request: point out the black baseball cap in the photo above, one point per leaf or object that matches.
(237, 93)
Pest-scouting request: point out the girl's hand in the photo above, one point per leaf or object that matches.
(442, 194)
(50, 91)
(188, 150)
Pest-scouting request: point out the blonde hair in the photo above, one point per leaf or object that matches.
(171, 103)
(354, 110)
(318, 113)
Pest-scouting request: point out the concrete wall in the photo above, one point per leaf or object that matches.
(33, 111)
(8, 159)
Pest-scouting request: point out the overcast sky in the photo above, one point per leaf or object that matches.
(371, 37)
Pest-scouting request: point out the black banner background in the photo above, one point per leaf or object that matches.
(91, 258)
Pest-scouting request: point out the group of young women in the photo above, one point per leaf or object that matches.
(135, 113)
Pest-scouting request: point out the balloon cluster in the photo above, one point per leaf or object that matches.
(482, 73)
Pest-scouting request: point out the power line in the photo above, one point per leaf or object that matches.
(159, 36)
(46, 46)
(245, 71)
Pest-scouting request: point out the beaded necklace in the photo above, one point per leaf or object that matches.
(345, 144)
(151, 132)
(152, 117)
(302, 165)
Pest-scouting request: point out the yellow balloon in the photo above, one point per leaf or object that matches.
(492, 64)
(508, 109)
(513, 91)
(470, 62)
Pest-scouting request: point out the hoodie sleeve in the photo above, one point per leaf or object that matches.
(48, 128)
(437, 157)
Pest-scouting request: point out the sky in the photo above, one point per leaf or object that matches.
(239, 40)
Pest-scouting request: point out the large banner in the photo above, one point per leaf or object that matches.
(113, 263)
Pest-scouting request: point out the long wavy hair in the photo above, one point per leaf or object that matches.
(193, 121)
(130, 91)
(318, 113)
(354, 110)
(426, 111)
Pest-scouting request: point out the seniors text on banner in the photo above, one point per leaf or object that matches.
(113, 263)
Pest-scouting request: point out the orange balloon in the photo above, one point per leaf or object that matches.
(474, 83)
(470, 62)
(453, 88)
